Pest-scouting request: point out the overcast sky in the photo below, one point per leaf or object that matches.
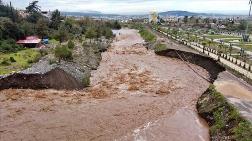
(140, 6)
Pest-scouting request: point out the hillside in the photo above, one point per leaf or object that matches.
(186, 13)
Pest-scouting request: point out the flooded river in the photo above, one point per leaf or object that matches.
(134, 95)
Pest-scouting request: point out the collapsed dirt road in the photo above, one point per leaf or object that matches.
(134, 95)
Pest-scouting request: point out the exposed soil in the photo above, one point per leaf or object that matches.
(205, 62)
(134, 95)
(56, 78)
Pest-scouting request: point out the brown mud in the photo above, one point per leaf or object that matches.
(134, 95)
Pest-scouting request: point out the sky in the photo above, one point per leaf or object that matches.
(140, 6)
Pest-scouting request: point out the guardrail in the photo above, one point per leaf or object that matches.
(234, 63)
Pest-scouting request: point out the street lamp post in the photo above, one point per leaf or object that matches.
(246, 35)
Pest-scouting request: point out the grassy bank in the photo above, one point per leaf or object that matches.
(147, 35)
(160, 47)
(12, 62)
(144, 32)
(224, 120)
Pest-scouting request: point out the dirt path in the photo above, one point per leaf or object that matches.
(134, 95)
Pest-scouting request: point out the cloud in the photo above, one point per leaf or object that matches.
(139, 6)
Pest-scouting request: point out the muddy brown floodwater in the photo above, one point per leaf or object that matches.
(134, 95)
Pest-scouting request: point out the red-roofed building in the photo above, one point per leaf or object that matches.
(30, 41)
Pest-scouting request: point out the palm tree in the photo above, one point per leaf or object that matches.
(33, 7)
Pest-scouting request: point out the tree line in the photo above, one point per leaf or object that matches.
(14, 26)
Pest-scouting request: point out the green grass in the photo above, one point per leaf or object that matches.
(147, 35)
(54, 42)
(221, 36)
(23, 59)
(160, 47)
(230, 40)
(226, 119)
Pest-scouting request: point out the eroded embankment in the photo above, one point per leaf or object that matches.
(224, 120)
(207, 63)
(56, 79)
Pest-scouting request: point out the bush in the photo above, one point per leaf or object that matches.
(43, 52)
(70, 44)
(9, 45)
(107, 32)
(52, 61)
(116, 25)
(12, 59)
(63, 52)
(5, 62)
(29, 61)
(86, 81)
(160, 47)
(148, 36)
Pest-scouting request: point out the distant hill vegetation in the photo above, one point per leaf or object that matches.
(186, 13)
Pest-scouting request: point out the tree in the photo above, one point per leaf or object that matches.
(42, 27)
(8, 11)
(9, 29)
(63, 52)
(230, 49)
(116, 25)
(33, 7)
(61, 34)
(34, 17)
(90, 34)
(27, 28)
(243, 25)
(55, 19)
(185, 19)
(107, 33)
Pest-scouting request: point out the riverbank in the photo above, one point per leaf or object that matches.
(224, 120)
(134, 94)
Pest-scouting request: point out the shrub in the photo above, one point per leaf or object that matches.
(12, 59)
(243, 132)
(5, 62)
(116, 25)
(160, 47)
(43, 52)
(29, 61)
(107, 33)
(63, 52)
(86, 80)
(148, 36)
(9, 45)
(70, 44)
(52, 61)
